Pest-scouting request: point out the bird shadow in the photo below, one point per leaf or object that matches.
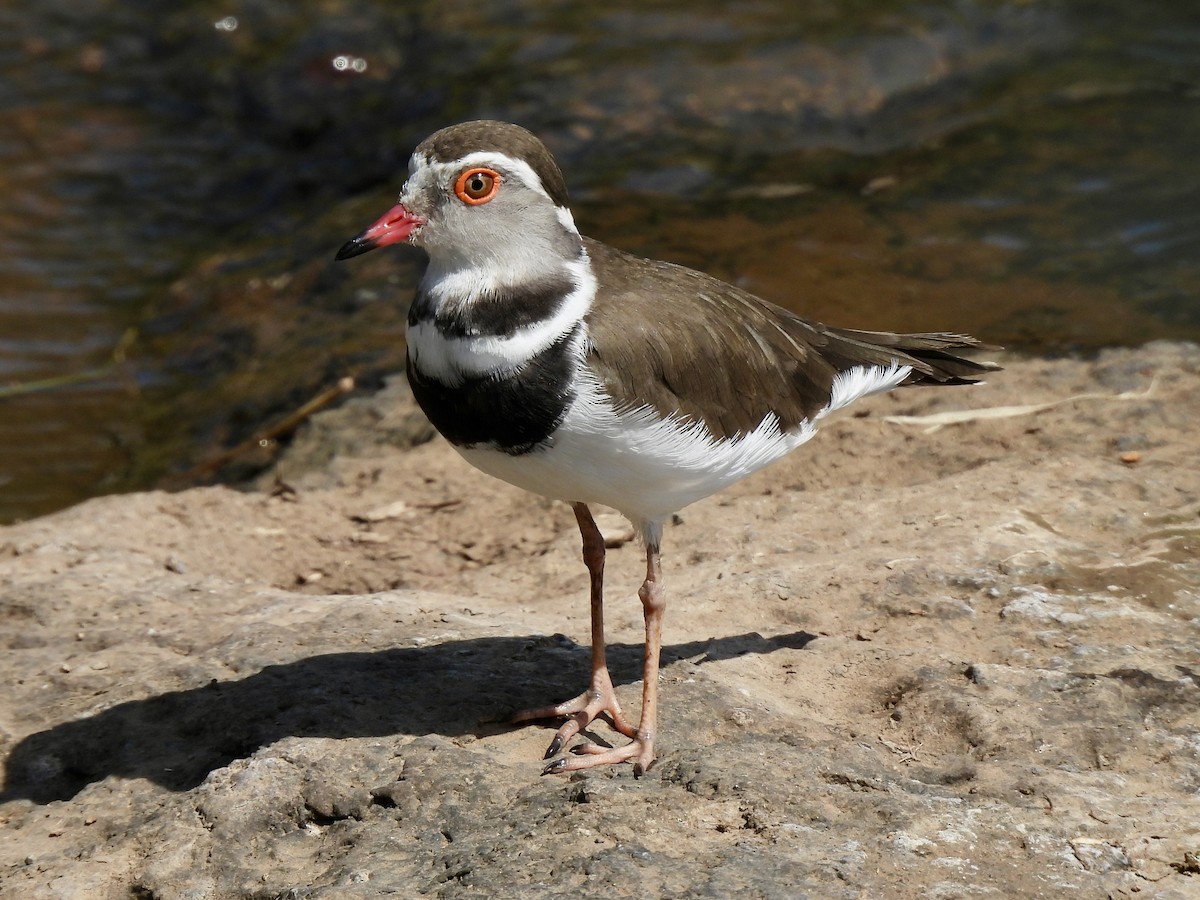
(177, 738)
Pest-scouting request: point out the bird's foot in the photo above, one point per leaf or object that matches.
(588, 756)
(599, 699)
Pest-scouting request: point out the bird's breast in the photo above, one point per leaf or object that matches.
(481, 396)
(495, 365)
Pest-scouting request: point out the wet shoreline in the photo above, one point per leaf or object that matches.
(1017, 171)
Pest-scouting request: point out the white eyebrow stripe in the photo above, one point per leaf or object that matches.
(442, 171)
(492, 160)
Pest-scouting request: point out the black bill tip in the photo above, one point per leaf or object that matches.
(356, 247)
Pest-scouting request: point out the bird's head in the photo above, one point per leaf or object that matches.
(481, 195)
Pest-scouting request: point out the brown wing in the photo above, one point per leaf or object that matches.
(686, 343)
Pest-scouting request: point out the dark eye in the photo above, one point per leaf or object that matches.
(476, 186)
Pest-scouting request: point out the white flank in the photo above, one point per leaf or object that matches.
(862, 381)
(647, 467)
(451, 360)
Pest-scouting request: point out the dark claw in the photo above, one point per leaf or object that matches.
(555, 746)
(555, 767)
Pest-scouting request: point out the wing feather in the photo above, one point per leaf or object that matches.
(689, 345)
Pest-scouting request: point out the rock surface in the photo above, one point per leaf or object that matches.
(963, 663)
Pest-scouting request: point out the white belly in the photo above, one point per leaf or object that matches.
(648, 468)
(645, 469)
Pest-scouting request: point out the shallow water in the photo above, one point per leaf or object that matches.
(175, 183)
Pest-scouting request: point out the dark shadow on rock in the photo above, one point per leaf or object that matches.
(176, 739)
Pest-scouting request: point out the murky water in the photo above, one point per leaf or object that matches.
(176, 178)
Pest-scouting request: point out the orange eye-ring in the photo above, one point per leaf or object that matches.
(476, 186)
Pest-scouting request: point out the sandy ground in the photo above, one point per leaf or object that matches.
(901, 663)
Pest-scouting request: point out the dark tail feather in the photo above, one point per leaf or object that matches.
(928, 354)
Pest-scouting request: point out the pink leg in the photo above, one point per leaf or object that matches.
(641, 748)
(600, 696)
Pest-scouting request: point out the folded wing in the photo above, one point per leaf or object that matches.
(690, 345)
